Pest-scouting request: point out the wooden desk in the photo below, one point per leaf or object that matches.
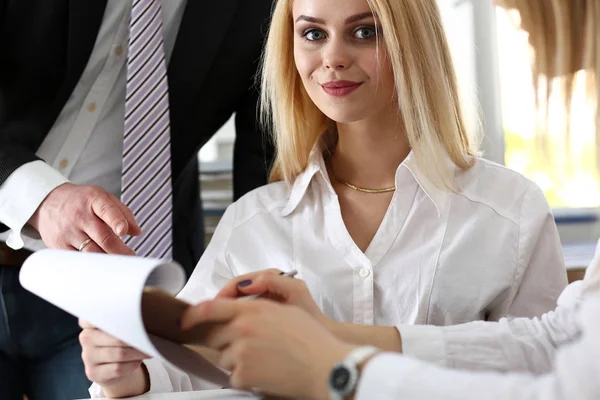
(575, 274)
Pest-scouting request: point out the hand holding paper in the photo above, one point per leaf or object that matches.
(113, 364)
(108, 291)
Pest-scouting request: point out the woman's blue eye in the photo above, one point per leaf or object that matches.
(365, 32)
(314, 34)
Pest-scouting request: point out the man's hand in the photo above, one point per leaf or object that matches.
(71, 214)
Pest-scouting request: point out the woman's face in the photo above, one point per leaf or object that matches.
(335, 50)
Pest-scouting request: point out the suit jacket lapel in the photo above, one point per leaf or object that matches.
(203, 27)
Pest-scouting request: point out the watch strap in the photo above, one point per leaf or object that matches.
(349, 369)
(360, 354)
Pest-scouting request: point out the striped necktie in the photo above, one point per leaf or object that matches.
(146, 180)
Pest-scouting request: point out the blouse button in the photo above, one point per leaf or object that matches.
(364, 272)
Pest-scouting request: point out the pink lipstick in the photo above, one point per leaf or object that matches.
(340, 88)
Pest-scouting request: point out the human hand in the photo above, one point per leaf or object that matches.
(112, 364)
(275, 287)
(71, 214)
(279, 349)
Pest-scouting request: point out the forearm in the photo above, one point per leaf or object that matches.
(520, 344)
(383, 337)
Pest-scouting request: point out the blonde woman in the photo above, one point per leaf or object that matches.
(553, 357)
(378, 200)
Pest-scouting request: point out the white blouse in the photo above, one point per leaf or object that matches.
(438, 258)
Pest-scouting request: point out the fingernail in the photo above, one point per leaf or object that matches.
(121, 229)
(245, 283)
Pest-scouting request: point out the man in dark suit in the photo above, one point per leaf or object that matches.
(71, 73)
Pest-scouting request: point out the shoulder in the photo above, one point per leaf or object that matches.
(504, 190)
(268, 200)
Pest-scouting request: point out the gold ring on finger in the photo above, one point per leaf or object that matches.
(84, 243)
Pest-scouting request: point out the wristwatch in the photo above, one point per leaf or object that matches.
(344, 375)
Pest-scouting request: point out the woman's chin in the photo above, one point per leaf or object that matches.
(344, 115)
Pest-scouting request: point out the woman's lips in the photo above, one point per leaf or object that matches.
(340, 88)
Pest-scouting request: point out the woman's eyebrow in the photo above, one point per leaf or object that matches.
(349, 20)
(359, 17)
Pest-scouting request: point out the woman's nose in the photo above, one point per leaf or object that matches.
(335, 66)
(336, 57)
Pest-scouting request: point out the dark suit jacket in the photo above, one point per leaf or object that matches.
(45, 45)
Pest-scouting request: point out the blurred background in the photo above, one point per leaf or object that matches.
(493, 62)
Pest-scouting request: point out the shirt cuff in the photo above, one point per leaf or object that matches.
(22, 193)
(425, 342)
(160, 382)
(379, 377)
(95, 391)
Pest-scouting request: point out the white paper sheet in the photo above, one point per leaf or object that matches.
(106, 290)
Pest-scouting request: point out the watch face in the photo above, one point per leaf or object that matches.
(340, 378)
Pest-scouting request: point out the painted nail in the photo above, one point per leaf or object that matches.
(245, 283)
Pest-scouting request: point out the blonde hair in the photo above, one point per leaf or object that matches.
(425, 82)
(565, 36)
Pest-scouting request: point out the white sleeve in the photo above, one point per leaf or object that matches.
(591, 280)
(542, 274)
(22, 193)
(212, 271)
(520, 344)
(574, 374)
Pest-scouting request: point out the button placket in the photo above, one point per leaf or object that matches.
(363, 284)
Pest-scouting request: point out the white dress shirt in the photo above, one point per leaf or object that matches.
(85, 144)
(438, 258)
(553, 357)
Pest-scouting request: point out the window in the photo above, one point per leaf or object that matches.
(492, 59)
(567, 173)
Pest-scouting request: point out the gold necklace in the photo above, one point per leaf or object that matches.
(361, 189)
